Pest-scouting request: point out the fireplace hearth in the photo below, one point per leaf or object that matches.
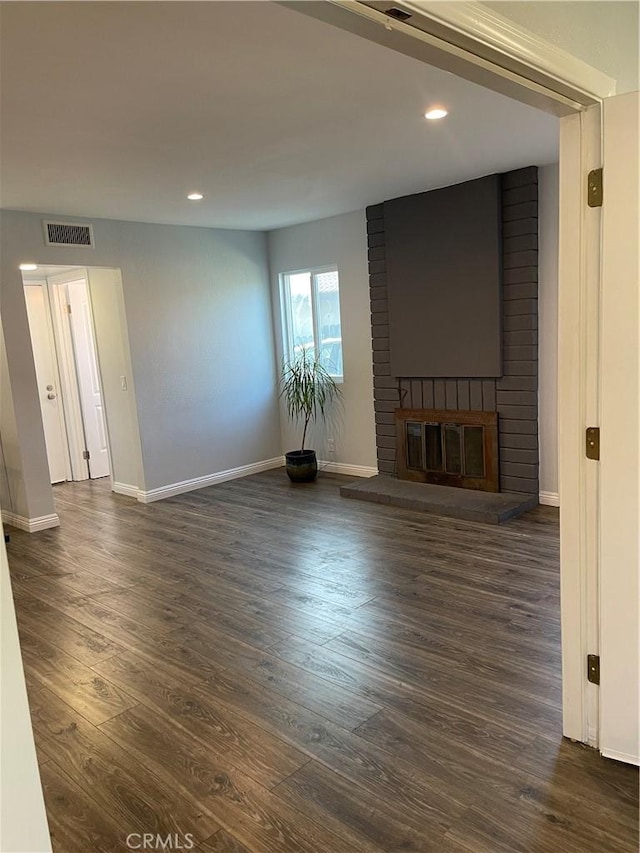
(485, 507)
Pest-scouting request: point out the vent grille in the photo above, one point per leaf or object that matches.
(398, 14)
(67, 234)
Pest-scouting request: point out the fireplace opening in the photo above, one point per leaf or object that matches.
(450, 448)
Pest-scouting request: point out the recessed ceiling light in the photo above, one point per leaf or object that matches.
(435, 113)
(28, 267)
(195, 196)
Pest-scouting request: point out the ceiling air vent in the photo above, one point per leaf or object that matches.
(67, 234)
(398, 14)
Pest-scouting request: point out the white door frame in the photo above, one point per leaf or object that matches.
(579, 297)
(68, 371)
(477, 44)
(80, 322)
(620, 450)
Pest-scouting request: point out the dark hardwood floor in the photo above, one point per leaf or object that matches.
(272, 668)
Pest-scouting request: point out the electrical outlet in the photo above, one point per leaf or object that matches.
(331, 445)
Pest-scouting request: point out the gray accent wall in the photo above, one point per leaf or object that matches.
(514, 395)
(444, 274)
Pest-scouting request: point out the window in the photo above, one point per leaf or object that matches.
(311, 316)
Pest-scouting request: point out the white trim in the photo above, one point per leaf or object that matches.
(31, 525)
(210, 480)
(571, 423)
(19, 521)
(345, 468)
(578, 391)
(125, 489)
(626, 757)
(85, 350)
(549, 498)
(506, 41)
(44, 522)
(591, 365)
(620, 427)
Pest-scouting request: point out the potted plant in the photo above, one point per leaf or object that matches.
(307, 389)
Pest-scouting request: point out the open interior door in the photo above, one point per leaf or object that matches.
(88, 378)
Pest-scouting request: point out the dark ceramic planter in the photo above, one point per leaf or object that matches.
(302, 466)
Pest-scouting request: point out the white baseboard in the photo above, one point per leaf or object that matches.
(31, 525)
(620, 756)
(210, 480)
(125, 489)
(549, 498)
(348, 470)
(44, 522)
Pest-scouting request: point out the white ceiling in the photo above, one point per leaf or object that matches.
(118, 110)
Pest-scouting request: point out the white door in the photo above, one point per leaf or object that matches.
(44, 356)
(88, 378)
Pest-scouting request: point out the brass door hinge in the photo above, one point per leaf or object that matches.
(592, 447)
(593, 669)
(594, 188)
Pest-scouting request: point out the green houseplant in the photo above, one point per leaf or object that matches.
(307, 389)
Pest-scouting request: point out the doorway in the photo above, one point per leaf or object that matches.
(68, 374)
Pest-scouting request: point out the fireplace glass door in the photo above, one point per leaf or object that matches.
(448, 449)
(454, 448)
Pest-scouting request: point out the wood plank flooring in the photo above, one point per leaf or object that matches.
(266, 668)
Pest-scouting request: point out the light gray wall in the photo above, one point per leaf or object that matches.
(12, 496)
(548, 201)
(32, 494)
(339, 240)
(198, 312)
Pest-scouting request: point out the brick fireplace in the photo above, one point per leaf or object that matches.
(512, 395)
